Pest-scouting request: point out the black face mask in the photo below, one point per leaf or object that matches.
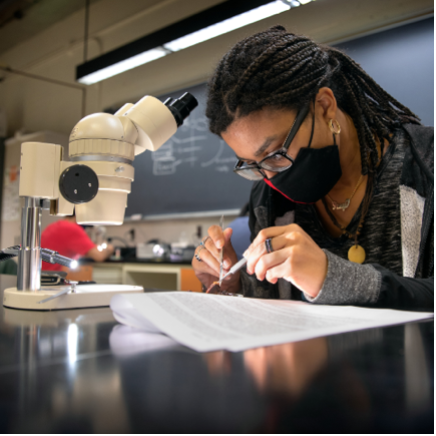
(312, 176)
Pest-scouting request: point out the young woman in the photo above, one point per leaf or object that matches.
(342, 212)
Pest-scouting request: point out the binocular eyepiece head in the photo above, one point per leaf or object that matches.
(181, 107)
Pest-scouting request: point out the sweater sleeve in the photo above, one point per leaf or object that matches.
(372, 285)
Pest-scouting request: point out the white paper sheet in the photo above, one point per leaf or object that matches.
(207, 322)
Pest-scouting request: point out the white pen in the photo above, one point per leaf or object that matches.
(236, 267)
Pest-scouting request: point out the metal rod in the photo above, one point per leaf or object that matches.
(52, 81)
(44, 79)
(85, 39)
(29, 257)
(83, 102)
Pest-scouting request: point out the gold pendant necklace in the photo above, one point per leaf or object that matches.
(340, 206)
(356, 254)
(345, 205)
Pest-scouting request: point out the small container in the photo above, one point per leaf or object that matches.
(117, 255)
(144, 251)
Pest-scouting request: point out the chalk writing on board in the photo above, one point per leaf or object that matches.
(173, 153)
(200, 124)
(178, 151)
(223, 163)
(168, 158)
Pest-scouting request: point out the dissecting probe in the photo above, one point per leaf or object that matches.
(236, 267)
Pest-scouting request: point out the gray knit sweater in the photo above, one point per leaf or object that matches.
(390, 237)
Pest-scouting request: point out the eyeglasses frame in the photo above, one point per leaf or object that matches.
(283, 151)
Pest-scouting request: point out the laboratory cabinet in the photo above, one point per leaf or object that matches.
(179, 277)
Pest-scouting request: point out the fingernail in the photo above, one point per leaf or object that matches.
(226, 264)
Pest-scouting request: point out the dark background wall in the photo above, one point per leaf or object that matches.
(401, 60)
(2, 169)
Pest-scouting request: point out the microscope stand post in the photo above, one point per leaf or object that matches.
(29, 256)
(28, 294)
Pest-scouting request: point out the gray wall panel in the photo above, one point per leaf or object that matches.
(401, 60)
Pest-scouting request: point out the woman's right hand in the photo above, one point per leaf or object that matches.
(208, 270)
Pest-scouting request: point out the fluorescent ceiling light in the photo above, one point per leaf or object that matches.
(296, 3)
(122, 66)
(99, 69)
(226, 26)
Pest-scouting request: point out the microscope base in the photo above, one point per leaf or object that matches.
(82, 297)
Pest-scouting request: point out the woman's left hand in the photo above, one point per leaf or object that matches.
(295, 258)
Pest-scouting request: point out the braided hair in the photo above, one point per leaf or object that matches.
(282, 70)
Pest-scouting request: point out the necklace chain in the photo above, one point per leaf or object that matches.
(365, 206)
(343, 206)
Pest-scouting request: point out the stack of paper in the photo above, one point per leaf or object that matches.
(208, 322)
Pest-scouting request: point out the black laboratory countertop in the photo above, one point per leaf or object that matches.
(75, 372)
(87, 261)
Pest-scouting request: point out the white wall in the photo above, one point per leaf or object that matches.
(55, 52)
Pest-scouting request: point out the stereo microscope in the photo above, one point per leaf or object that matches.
(94, 183)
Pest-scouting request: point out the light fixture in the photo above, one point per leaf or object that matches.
(120, 67)
(228, 25)
(102, 246)
(222, 18)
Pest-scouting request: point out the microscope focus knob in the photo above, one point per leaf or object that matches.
(78, 184)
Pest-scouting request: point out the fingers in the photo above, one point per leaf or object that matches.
(203, 267)
(228, 234)
(211, 247)
(259, 261)
(294, 256)
(269, 262)
(209, 258)
(206, 261)
(210, 251)
(259, 251)
(271, 233)
(217, 236)
(229, 253)
(281, 270)
(253, 257)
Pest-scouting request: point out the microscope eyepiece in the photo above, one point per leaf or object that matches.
(181, 107)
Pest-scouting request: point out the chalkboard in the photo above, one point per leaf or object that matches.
(190, 173)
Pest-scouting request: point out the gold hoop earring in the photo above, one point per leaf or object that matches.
(334, 126)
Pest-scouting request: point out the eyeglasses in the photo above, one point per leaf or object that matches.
(277, 161)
